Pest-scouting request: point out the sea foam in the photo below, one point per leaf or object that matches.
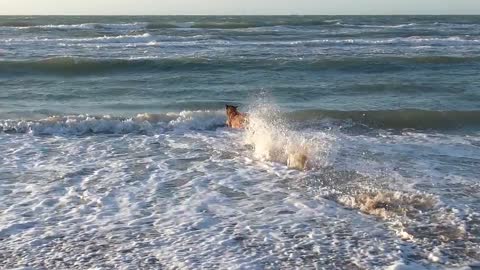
(273, 139)
(141, 124)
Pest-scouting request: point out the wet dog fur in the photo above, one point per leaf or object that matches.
(235, 119)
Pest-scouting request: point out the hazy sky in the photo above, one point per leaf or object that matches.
(175, 7)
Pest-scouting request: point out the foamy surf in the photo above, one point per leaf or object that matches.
(82, 26)
(416, 218)
(392, 173)
(141, 124)
(273, 139)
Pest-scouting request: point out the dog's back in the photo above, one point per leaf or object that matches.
(235, 119)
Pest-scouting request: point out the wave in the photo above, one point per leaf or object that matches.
(201, 24)
(140, 124)
(26, 26)
(252, 22)
(192, 25)
(145, 37)
(412, 40)
(396, 119)
(416, 40)
(404, 25)
(122, 26)
(81, 26)
(85, 66)
(265, 131)
(82, 66)
(228, 23)
(456, 24)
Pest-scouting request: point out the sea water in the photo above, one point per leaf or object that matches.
(115, 154)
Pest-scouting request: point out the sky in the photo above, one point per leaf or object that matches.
(236, 7)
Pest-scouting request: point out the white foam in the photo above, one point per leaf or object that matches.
(405, 25)
(191, 199)
(184, 24)
(59, 26)
(121, 38)
(199, 120)
(124, 26)
(273, 140)
(425, 41)
(145, 37)
(113, 26)
(192, 196)
(142, 123)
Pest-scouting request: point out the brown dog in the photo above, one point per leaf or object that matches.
(235, 119)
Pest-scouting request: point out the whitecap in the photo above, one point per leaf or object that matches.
(141, 124)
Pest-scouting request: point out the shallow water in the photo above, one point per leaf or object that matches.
(115, 153)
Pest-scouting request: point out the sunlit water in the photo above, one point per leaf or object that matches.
(115, 154)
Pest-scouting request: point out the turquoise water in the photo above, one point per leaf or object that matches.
(115, 152)
(126, 65)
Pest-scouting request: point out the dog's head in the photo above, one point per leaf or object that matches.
(231, 110)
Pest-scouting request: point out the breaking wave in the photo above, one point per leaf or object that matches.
(269, 130)
(145, 37)
(140, 124)
(273, 139)
(81, 26)
(222, 23)
(215, 24)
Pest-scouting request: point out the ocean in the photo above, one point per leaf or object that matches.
(115, 153)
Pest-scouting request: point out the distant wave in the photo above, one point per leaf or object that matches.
(229, 23)
(214, 24)
(396, 119)
(26, 26)
(253, 24)
(420, 40)
(145, 37)
(83, 66)
(140, 124)
(118, 26)
(404, 25)
(199, 25)
(172, 40)
(121, 38)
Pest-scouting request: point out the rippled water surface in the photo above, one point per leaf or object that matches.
(115, 154)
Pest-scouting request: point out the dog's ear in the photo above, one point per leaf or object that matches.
(230, 107)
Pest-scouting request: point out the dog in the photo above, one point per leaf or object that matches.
(235, 119)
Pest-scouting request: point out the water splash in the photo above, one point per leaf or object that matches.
(273, 139)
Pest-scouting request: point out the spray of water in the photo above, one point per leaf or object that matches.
(274, 139)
